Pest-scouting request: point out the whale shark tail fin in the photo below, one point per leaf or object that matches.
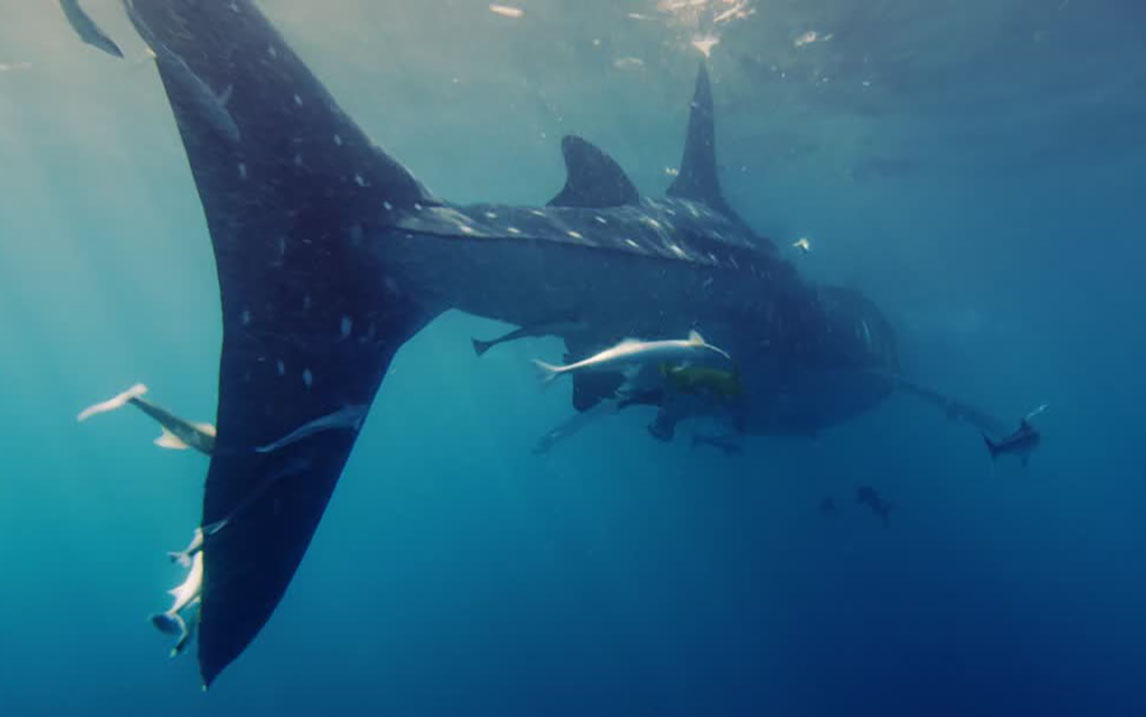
(112, 404)
(312, 316)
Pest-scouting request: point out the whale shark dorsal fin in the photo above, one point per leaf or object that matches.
(697, 178)
(695, 338)
(594, 179)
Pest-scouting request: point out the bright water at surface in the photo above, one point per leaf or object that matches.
(975, 166)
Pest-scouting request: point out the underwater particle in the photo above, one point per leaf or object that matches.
(739, 11)
(672, 171)
(803, 244)
(809, 37)
(705, 43)
(506, 10)
(628, 63)
(12, 66)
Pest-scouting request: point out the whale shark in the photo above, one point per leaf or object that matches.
(331, 254)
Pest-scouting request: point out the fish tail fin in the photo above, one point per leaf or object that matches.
(480, 347)
(547, 373)
(115, 402)
(170, 441)
(168, 623)
(992, 447)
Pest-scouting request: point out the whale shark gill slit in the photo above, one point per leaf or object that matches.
(277, 205)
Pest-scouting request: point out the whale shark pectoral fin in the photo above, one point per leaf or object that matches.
(594, 179)
(286, 210)
(697, 178)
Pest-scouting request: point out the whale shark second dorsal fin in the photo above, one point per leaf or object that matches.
(594, 178)
(697, 179)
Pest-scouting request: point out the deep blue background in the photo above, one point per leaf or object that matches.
(977, 167)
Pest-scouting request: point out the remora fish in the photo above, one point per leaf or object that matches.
(866, 495)
(86, 28)
(330, 255)
(634, 353)
(177, 433)
(1021, 443)
(559, 327)
(186, 596)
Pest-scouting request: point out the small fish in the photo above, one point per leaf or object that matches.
(633, 353)
(730, 446)
(803, 244)
(563, 326)
(87, 30)
(866, 495)
(186, 597)
(192, 88)
(1021, 443)
(177, 433)
(347, 418)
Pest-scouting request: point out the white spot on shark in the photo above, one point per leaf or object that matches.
(466, 229)
(272, 52)
(281, 367)
(297, 159)
(537, 212)
(359, 180)
(676, 249)
(345, 326)
(602, 221)
(307, 377)
(338, 139)
(298, 100)
(417, 206)
(388, 206)
(243, 171)
(632, 243)
(246, 317)
(491, 215)
(575, 235)
(513, 230)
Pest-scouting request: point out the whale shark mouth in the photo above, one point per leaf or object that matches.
(296, 197)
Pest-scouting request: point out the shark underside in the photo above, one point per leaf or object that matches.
(330, 255)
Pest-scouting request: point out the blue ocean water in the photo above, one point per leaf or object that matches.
(975, 167)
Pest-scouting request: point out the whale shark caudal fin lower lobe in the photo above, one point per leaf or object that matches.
(308, 326)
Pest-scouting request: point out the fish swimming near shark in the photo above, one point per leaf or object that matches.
(1022, 442)
(564, 326)
(87, 29)
(634, 353)
(330, 255)
(186, 597)
(866, 495)
(176, 433)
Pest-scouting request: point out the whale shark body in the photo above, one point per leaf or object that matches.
(330, 255)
